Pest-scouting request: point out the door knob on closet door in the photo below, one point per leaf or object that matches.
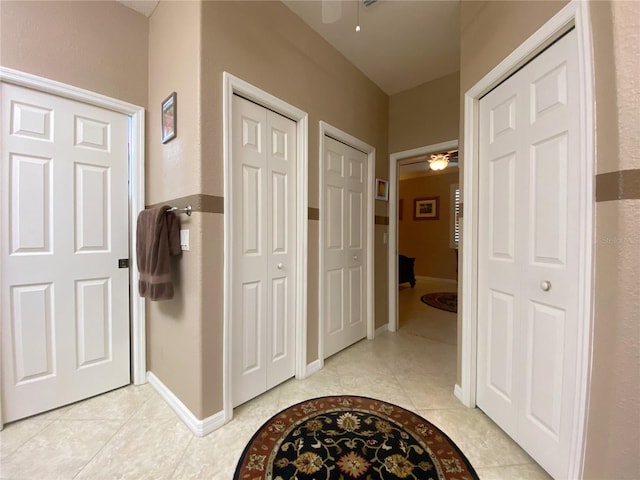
(545, 285)
(280, 266)
(355, 257)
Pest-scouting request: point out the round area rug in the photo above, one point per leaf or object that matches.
(443, 300)
(348, 437)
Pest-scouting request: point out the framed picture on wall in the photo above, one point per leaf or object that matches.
(382, 190)
(426, 208)
(169, 118)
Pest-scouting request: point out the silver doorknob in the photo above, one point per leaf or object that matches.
(355, 257)
(545, 285)
(280, 266)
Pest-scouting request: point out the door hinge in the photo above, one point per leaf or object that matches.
(123, 263)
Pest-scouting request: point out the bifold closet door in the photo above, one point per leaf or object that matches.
(529, 238)
(64, 299)
(264, 226)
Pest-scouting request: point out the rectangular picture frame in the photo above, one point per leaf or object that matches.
(426, 208)
(170, 118)
(382, 190)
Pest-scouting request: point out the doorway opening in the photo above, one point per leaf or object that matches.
(408, 210)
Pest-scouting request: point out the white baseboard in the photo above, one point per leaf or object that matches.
(198, 427)
(313, 367)
(382, 329)
(436, 279)
(457, 391)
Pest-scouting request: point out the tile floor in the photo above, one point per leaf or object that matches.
(130, 433)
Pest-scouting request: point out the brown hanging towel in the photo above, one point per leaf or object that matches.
(158, 238)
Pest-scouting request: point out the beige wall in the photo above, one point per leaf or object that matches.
(425, 115)
(267, 45)
(175, 349)
(98, 46)
(490, 31)
(613, 427)
(428, 240)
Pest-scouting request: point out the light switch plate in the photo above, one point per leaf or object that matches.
(184, 240)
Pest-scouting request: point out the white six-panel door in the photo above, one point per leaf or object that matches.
(528, 247)
(65, 302)
(345, 247)
(264, 226)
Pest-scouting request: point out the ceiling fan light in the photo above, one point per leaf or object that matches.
(439, 161)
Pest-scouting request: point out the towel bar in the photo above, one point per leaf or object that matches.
(186, 210)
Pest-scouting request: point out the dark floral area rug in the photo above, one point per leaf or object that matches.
(447, 301)
(348, 437)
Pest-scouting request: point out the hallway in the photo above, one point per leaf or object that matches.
(130, 433)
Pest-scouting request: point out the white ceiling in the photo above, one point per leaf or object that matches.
(145, 7)
(402, 43)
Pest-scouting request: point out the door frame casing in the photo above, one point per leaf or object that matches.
(394, 192)
(573, 15)
(329, 130)
(234, 85)
(136, 192)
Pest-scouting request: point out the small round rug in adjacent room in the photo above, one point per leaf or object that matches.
(350, 437)
(447, 301)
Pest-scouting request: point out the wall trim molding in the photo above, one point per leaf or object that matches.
(394, 185)
(313, 367)
(327, 130)
(619, 185)
(382, 329)
(198, 427)
(199, 202)
(457, 391)
(136, 192)
(574, 15)
(234, 85)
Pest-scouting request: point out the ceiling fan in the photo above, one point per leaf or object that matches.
(332, 9)
(428, 160)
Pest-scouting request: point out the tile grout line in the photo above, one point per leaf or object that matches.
(182, 457)
(118, 430)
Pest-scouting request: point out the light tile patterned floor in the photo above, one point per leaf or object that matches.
(130, 433)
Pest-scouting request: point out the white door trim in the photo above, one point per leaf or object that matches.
(136, 192)
(394, 186)
(233, 84)
(337, 134)
(575, 14)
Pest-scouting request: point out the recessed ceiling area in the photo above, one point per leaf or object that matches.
(145, 7)
(401, 44)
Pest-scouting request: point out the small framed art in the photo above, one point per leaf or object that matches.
(170, 118)
(426, 208)
(382, 189)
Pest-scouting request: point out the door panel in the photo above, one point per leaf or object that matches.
(528, 270)
(94, 321)
(31, 204)
(65, 302)
(32, 314)
(263, 295)
(345, 253)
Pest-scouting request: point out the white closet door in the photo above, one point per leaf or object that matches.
(345, 248)
(528, 245)
(65, 302)
(263, 294)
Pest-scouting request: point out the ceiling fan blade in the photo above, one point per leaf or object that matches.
(331, 11)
